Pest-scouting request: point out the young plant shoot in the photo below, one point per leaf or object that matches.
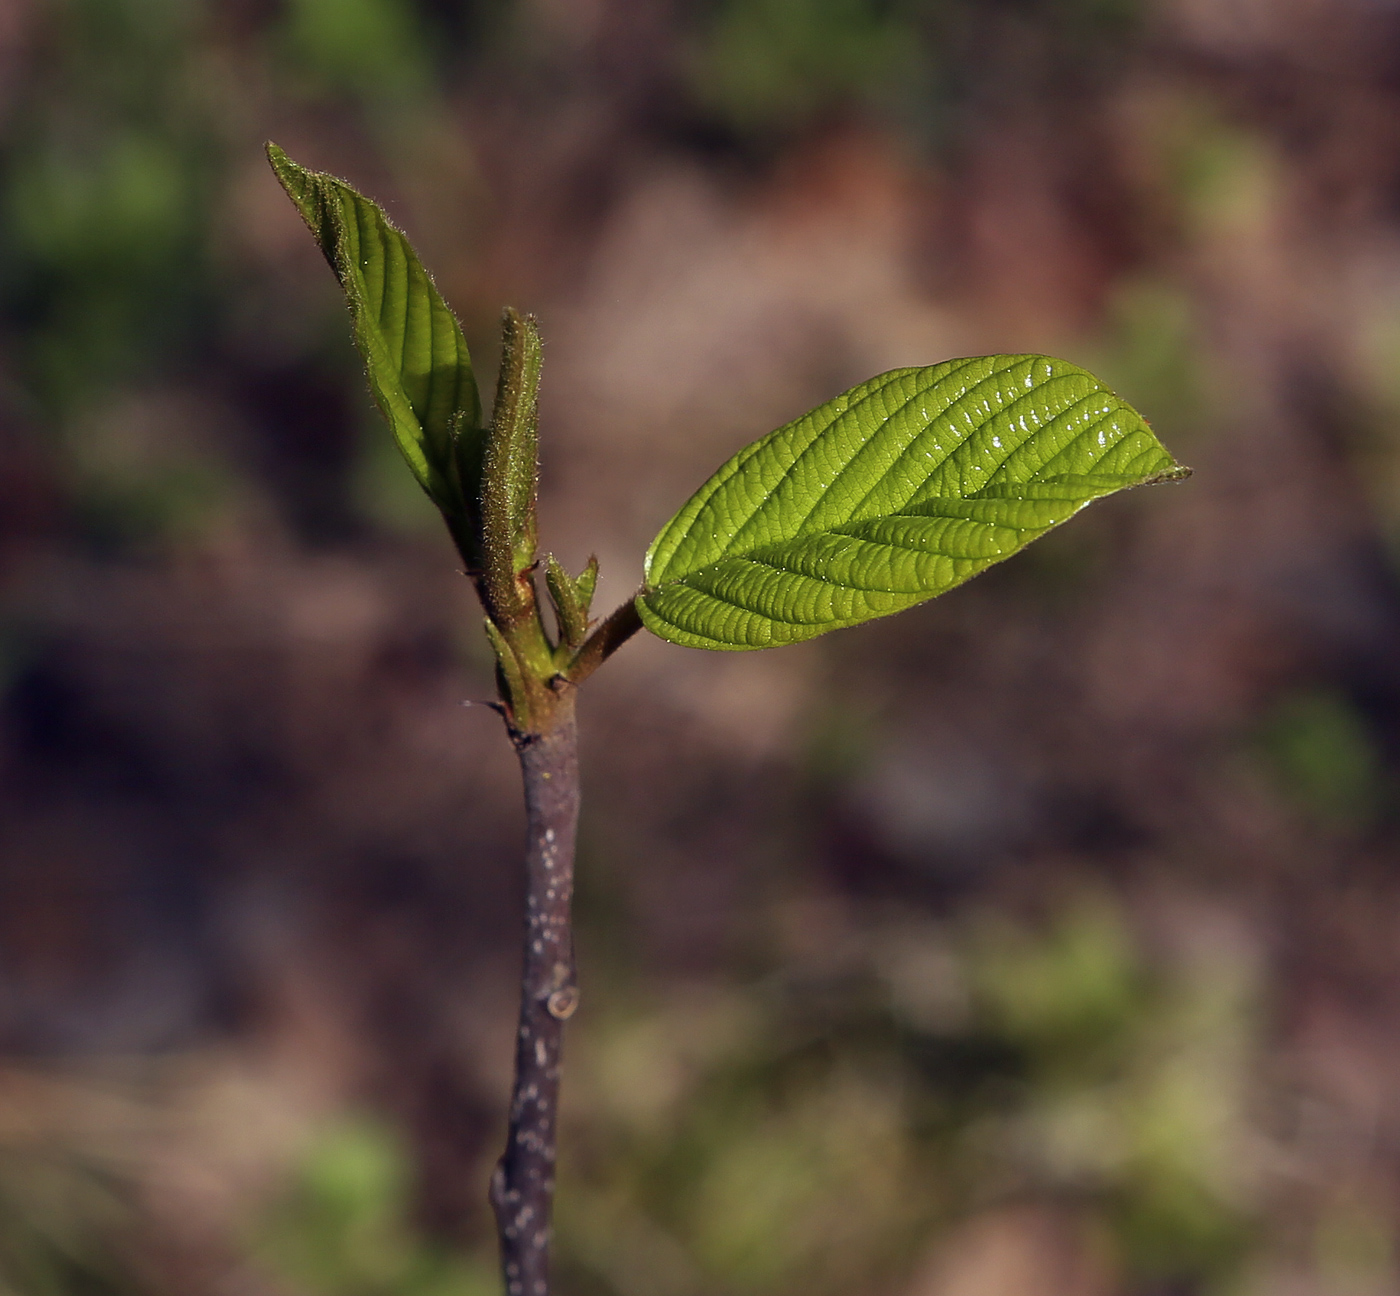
(891, 494)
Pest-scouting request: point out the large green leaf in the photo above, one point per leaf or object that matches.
(412, 345)
(888, 495)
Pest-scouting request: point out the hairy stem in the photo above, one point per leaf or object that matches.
(522, 1188)
(508, 476)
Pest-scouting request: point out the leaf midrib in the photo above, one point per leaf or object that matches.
(947, 415)
(919, 431)
(805, 531)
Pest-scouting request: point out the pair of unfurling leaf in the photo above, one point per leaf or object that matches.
(894, 492)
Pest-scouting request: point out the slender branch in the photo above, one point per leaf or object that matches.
(620, 626)
(522, 1188)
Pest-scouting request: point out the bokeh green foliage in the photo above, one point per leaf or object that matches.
(63, 1218)
(123, 149)
(1324, 758)
(774, 64)
(70, 1211)
(769, 68)
(375, 51)
(111, 158)
(344, 1226)
(814, 1132)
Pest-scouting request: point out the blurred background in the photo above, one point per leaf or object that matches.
(1041, 941)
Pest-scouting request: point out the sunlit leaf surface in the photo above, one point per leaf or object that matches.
(889, 495)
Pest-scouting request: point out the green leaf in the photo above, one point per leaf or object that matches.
(888, 495)
(413, 348)
(571, 599)
(587, 582)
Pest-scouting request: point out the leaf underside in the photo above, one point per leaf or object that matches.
(889, 495)
(414, 352)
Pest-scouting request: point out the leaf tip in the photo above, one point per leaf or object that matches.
(293, 177)
(279, 161)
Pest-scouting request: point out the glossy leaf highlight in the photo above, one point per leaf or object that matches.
(891, 494)
(414, 352)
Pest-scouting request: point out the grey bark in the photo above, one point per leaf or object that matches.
(522, 1188)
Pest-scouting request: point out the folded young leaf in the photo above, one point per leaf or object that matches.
(412, 345)
(889, 495)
